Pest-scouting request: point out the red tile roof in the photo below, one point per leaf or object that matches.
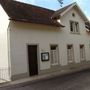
(28, 13)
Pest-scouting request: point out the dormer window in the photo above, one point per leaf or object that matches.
(74, 27)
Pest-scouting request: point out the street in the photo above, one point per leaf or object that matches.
(75, 81)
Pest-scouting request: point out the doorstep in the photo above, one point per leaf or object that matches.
(33, 79)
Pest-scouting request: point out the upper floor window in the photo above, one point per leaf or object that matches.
(74, 27)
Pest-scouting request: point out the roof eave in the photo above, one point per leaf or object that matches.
(67, 9)
(75, 4)
(55, 24)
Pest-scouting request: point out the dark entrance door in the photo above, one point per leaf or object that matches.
(32, 57)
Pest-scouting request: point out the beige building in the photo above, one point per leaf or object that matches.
(37, 41)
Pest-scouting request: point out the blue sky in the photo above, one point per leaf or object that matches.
(53, 4)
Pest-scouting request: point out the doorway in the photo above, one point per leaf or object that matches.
(54, 55)
(70, 53)
(32, 60)
(82, 53)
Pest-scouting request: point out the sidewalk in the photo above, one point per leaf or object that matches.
(33, 79)
(2, 81)
(75, 81)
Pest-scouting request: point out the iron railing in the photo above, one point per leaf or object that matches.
(4, 75)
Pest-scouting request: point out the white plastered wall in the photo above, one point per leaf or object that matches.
(22, 34)
(76, 39)
(4, 22)
(4, 50)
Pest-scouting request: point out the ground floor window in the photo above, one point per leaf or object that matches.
(54, 54)
(70, 53)
(82, 52)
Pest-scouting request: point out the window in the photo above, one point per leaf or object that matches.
(73, 14)
(74, 27)
(82, 52)
(70, 53)
(54, 54)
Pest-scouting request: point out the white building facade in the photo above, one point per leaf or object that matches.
(35, 49)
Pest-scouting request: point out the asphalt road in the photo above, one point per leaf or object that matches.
(76, 81)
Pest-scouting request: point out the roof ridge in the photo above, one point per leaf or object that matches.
(19, 11)
(67, 5)
(62, 9)
(3, 1)
(33, 5)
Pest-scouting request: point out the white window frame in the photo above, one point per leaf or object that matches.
(74, 27)
(70, 56)
(82, 53)
(54, 58)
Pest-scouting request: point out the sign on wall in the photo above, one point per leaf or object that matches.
(45, 56)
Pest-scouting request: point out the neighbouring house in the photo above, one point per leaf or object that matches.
(35, 40)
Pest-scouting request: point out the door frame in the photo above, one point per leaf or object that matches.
(73, 54)
(56, 44)
(38, 57)
(84, 53)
